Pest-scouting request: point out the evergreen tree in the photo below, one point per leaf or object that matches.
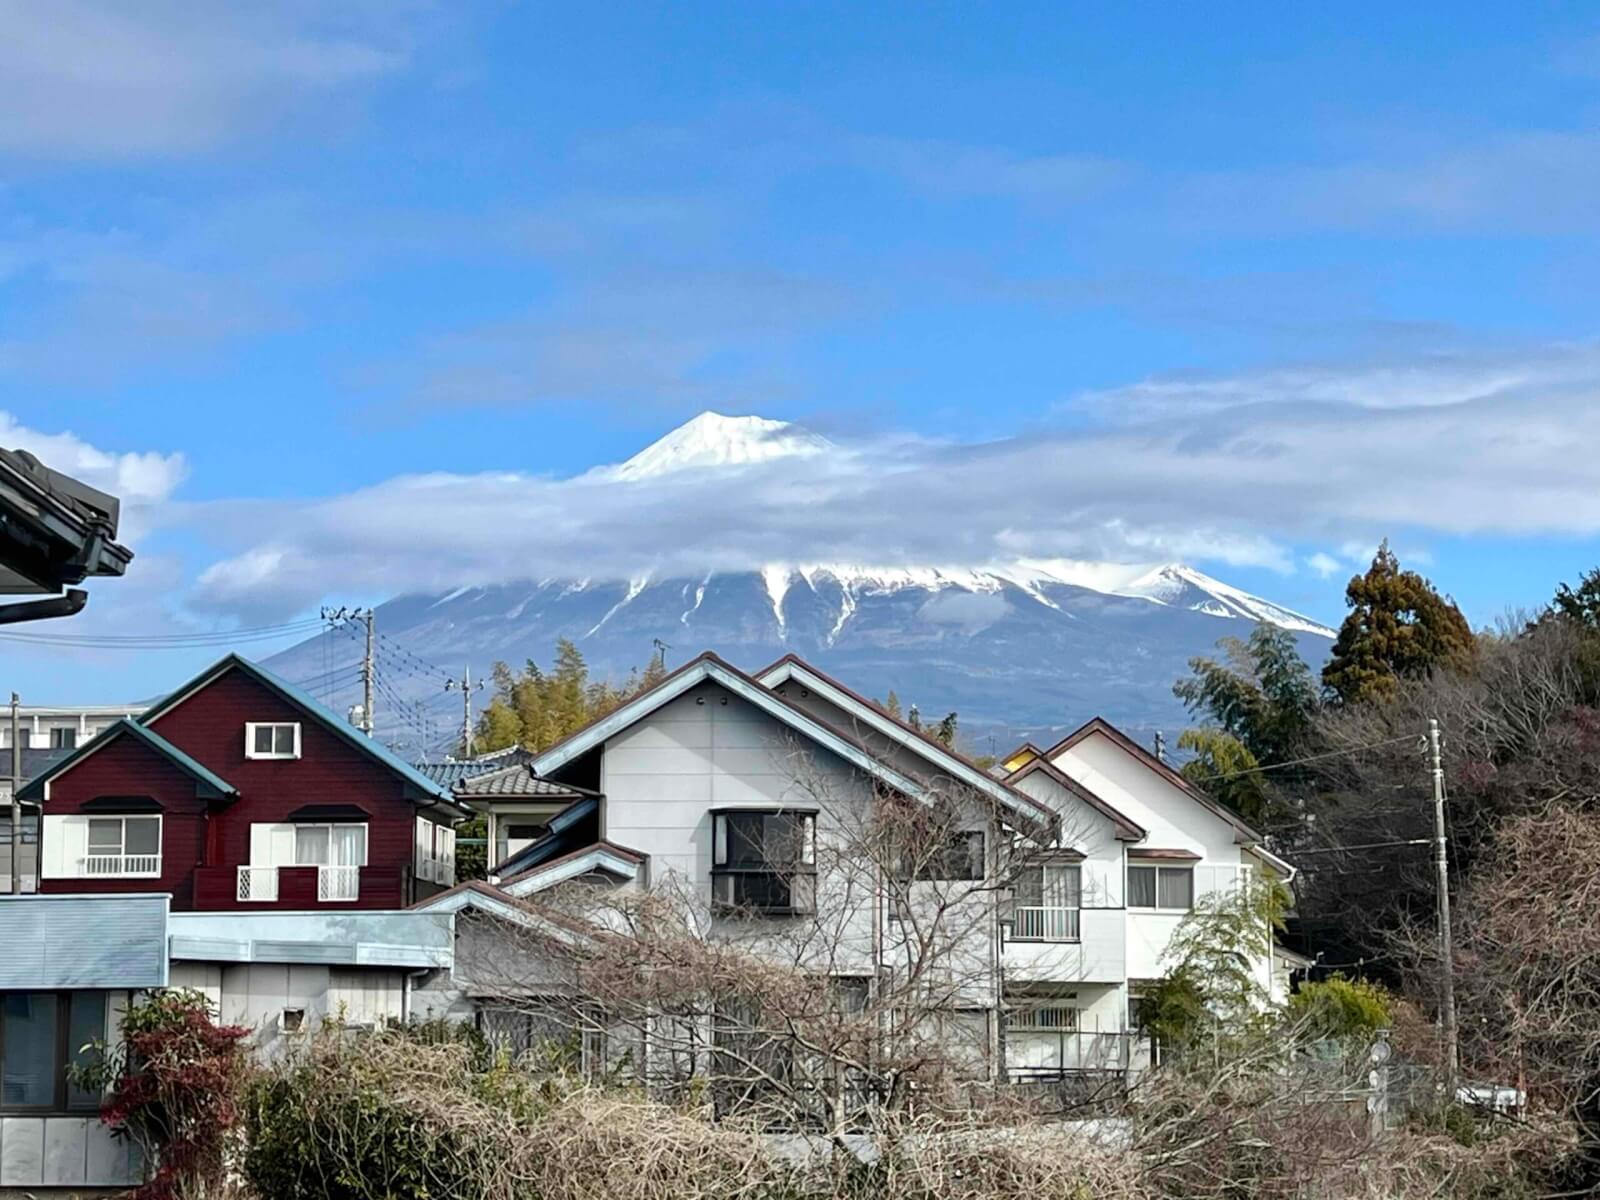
(536, 709)
(1581, 605)
(892, 705)
(1224, 769)
(1262, 695)
(1398, 627)
(945, 731)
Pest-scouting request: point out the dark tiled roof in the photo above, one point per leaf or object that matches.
(453, 771)
(515, 780)
(573, 828)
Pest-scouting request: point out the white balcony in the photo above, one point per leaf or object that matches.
(1093, 952)
(1032, 924)
(258, 884)
(336, 884)
(147, 866)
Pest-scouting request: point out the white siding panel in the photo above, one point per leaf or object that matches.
(21, 1151)
(66, 1151)
(198, 977)
(111, 1161)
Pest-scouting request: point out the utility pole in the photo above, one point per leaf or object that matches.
(367, 617)
(16, 799)
(467, 687)
(1161, 747)
(1447, 983)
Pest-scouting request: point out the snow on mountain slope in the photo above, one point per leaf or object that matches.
(1027, 646)
(1180, 586)
(713, 440)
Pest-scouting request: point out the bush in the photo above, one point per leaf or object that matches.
(1340, 1010)
(176, 1084)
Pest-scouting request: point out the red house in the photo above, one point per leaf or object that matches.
(239, 791)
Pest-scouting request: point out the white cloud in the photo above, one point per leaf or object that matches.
(141, 479)
(1323, 564)
(92, 80)
(1241, 485)
(1257, 483)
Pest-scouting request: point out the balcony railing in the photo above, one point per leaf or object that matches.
(98, 865)
(259, 884)
(1033, 924)
(338, 883)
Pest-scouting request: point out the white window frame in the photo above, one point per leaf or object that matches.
(330, 826)
(1158, 867)
(1043, 924)
(250, 728)
(122, 841)
(1032, 1020)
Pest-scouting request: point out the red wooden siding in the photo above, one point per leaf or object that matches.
(128, 767)
(210, 726)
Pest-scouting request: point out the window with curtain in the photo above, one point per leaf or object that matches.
(1161, 887)
(330, 845)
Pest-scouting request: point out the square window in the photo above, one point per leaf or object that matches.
(1141, 887)
(1175, 888)
(141, 835)
(272, 740)
(63, 739)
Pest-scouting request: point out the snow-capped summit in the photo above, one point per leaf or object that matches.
(1183, 587)
(714, 440)
(1031, 646)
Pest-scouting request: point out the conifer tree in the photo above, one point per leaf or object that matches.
(1399, 627)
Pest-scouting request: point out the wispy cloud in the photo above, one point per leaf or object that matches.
(676, 340)
(89, 80)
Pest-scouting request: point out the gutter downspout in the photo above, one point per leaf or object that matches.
(40, 610)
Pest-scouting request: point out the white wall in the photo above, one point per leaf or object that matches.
(1175, 821)
(255, 995)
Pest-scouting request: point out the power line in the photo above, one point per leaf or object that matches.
(155, 641)
(1363, 846)
(1310, 758)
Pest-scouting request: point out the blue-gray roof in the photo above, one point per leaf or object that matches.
(322, 713)
(570, 829)
(208, 781)
(452, 771)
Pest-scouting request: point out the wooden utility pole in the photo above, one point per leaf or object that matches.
(16, 794)
(1441, 859)
(467, 687)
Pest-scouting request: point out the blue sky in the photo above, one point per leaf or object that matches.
(1248, 288)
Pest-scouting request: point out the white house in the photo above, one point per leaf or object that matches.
(1082, 859)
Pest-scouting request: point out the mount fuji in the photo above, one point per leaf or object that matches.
(1017, 648)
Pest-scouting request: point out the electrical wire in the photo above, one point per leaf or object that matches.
(160, 641)
(1310, 758)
